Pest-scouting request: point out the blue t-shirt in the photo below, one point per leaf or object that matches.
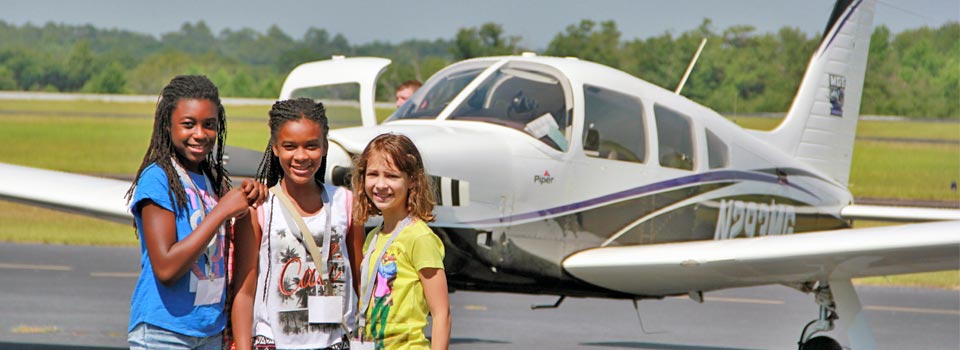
(172, 307)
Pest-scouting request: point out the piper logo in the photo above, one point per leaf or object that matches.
(754, 219)
(543, 179)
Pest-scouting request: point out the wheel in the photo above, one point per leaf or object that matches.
(821, 343)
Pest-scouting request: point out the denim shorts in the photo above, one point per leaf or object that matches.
(145, 336)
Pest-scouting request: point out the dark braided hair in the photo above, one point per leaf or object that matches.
(269, 172)
(160, 151)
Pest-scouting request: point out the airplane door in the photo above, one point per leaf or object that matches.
(347, 86)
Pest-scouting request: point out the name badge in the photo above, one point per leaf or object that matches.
(209, 291)
(325, 309)
(361, 345)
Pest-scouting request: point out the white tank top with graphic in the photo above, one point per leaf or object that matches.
(287, 276)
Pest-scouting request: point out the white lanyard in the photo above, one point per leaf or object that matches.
(211, 251)
(364, 267)
(294, 225)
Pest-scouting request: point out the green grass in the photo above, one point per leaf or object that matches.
(110, 138)
(30, 224)
(905, 170)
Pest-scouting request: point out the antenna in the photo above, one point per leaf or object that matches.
(690, 66)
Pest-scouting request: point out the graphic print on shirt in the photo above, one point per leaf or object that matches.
(383, 296)
(299, 280)
(197, 213)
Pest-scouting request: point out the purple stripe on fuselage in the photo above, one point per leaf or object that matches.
(842, 23)
(716, 176)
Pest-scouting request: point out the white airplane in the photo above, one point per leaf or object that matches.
(565, 177)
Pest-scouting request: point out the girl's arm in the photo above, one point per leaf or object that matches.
(355, 237)
(434, 282)
(171, 258)
(247, 235)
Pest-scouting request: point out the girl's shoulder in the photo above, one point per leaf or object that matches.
(152, 172)
(418, 230)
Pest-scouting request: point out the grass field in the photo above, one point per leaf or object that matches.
(110, 138)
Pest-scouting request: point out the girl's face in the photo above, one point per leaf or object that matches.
(300, 146)
(193, 131)
(386, 185)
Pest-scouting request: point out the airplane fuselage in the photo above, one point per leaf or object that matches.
(513, 206)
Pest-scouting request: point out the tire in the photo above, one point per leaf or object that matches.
(821, 343)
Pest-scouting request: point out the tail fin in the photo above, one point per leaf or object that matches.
(822, 122)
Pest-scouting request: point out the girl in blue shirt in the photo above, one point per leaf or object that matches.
(182, 203)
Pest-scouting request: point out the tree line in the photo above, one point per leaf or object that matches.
(913, 73)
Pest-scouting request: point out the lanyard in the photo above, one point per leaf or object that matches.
(364, 267)
(211, 251)
(300, 230)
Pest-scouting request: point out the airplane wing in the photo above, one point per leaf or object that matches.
(679, 268)
(88, 195)
(904, 214)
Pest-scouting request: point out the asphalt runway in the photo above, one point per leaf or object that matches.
(71, 297)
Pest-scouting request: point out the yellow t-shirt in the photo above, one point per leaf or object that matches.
(398, 309)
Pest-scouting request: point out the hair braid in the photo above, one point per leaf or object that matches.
(161, 151)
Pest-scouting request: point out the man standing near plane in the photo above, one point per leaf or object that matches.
(405, 90)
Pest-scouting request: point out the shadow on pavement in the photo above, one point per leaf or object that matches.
(475, 341)
(30, 346)
(656, 346)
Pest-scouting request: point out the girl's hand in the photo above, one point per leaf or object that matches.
(255, 192)
(234, 203)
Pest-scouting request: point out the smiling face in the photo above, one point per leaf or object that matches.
(300, 147)
(193, 131)
(386, 186)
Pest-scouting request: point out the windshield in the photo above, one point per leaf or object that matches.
(436, 94)
(524, 99)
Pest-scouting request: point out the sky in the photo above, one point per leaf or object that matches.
(536, 21)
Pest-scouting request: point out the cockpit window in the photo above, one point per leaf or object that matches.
(524, 99)
(433, 97)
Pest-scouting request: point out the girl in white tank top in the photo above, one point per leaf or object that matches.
(295, 289)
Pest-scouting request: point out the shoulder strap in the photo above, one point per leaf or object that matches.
(304, 230)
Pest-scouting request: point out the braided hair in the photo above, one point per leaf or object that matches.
(161, 151)
(269, 172)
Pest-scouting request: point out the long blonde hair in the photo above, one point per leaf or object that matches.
(406, 157)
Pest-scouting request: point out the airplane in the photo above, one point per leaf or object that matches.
(564, 177)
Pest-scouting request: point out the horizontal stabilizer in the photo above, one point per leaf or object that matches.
(679, 268)
(902, 214)
(82, 194)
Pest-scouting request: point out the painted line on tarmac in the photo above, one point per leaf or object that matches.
(475, 307)
(912, 309)
(35, 267)
(116, 274)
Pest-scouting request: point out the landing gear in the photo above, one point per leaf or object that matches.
(838, 302)
(821, 343)
(828, 313)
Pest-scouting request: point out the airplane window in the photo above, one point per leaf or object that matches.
(675, 138)
(341, 100)
(716, 150)
(614, 125)
(524, 99)
(437, 93)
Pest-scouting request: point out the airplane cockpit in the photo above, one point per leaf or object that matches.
(520, 95)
